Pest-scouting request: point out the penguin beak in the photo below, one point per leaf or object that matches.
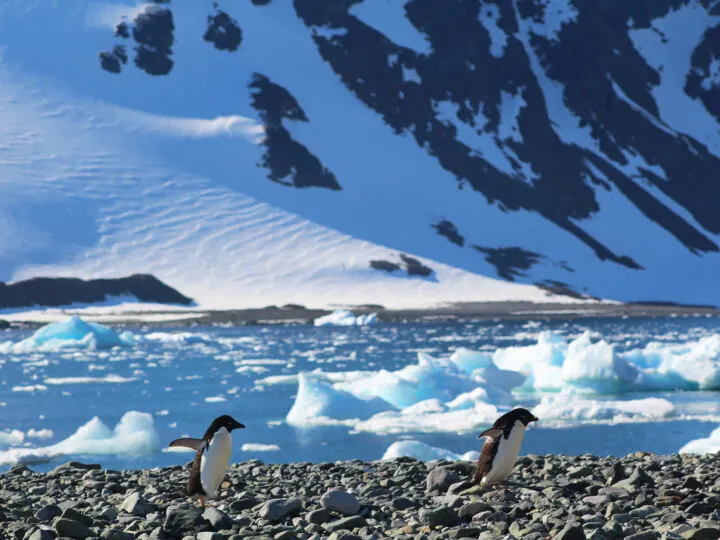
(238, 425)
(534, 419)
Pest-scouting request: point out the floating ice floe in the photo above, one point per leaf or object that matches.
(468, 390)
(564, 408)
(73, 333)
(425, 452)
(258, 447)
(134, 435)
(343, 317)
(320, 403)
(709, 445)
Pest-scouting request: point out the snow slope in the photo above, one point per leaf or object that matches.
(265, 170)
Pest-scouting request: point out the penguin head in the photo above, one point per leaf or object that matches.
(226, 421)
(524, 415)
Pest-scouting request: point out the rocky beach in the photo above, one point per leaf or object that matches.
(640, 496)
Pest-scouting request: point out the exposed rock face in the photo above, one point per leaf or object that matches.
(289, 162)
(540, 108)
(66, 291)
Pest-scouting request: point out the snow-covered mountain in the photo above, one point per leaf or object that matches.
(401, 152)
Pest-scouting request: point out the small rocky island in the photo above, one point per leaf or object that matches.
(62, 291)
(641, 496)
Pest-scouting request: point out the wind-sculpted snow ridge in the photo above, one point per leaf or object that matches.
(255, 153)
(471, 389)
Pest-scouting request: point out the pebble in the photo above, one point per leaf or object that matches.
(640, 496)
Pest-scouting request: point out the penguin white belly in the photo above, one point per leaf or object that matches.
(215, 461)
(506, 455)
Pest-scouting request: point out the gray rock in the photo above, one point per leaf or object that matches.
(643, 511)
(218, 519)
(209, 536)
(347, 523)
(468, 510)
(440, 479)
(41, 534)
(48, 513)
(443, 516)
(241, 504)
(459, 487)
(343, 535)
(402, 503)
(185, 518)
(71, 529)
(323, 515)
(116, 534)
(279, 509)
(572, 531)
(645, 535)
(705, 533)
(340, 501)
(136, 505)
(74, 515)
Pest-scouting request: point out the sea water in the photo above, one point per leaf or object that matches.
(603, 386)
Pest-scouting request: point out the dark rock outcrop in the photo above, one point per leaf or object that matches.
(289, 162)
(510, 262)
(223, 32)
(55, 292)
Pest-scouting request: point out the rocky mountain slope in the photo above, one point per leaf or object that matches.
(543, 142)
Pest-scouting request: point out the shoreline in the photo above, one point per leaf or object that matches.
(639, 496)
(301, 315)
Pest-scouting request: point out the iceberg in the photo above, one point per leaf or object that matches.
(710, 445)
(430, 378)
(74, 333)
(564, 408)
(344, 317)
(321, 403)
(431, 416)
(425, 452)
(134, 435)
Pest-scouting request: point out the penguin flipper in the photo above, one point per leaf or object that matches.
(492, 433)
(187, 442)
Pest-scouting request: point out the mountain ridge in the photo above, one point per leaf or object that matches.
(537, 142)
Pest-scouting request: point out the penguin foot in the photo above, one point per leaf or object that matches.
(201, 500)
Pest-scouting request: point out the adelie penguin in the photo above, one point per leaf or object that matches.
(212, 457)
(502, 446)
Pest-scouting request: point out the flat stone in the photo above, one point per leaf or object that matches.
(71, 529)
(644, 535)
(116, 534)
(440, 479)
(340, 501)
(279, 509)
(347, 523)
(48, 513)
(705, 533)
(572, 531)
(320, 516)
(136, 505)
(468, 510)
(74, 515)
(41, 534)
(218, 519)
(443, 516)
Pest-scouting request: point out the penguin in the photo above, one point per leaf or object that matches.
(212, 457)
(502, 446)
